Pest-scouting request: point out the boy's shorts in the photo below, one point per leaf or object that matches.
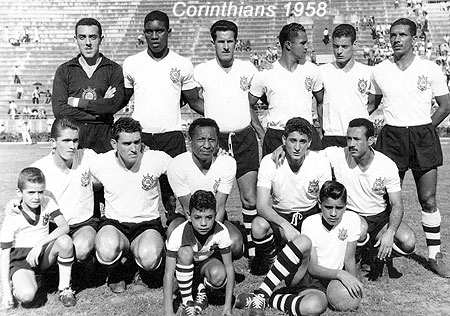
(198, 265)
(133, 230)
(18, 260)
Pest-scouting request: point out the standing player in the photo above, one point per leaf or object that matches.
(158, 78)
(201, 169)
(407, 84)
(346, 86)
(132, 222)
(89, 88)
(289, 87)
(225, 81)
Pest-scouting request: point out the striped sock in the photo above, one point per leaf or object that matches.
(65, 270)
(288, 303)
(431, 224)
(288, 260)
(248, 214)
(185, 275)
(267, 247)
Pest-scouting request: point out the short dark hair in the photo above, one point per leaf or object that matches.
(89, 22)
(30, 174)
(157, 16)
(61, 124)
(125, 125)
(404, 21)
(202, 122)
(362, 122)
(289, 32)
(334, 190)
(344, 30)
(202, 200)
(298, 124)
(223, 26)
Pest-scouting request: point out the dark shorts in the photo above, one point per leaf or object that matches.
(274, 139)
(199, 265)
(96, 137)
(18, 261)
(172, 143)
(93, 222)
(245, 149)
(376, 223)
(296, 219)
(330, 141)
(415, 147)
(133, 230)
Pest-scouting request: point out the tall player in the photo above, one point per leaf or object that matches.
(346, 85)
(225, 81)
(407, 83)
(289, 86)
(158, 77)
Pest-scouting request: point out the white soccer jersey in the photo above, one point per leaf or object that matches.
(294, 192)
(289, 93)
(20, 231)
(183, 235)
(345, 96)
(186, 178)
(331, 245)
(407, 94)
(131, 195)
(71, 188)
(157, 89)
(365, 189)
(226, 93)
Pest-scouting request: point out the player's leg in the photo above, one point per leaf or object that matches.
(307, 302)
(237, 243)
(148, 249)
(184, 273)
(426, 183)
(264, 239)
(84, 242)
(174, 223)
(213, 280)
(24, 285)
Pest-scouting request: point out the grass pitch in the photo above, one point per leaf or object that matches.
(417, 292)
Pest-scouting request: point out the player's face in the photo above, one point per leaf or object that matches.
(224, 45)
(128, 147)
(32, 194)
(332, 210)
(204, 143)
(203, 221)
(401, 39)
(66, 144)
(157, 36)
(343, 49)
(296, 145)
(299, 47)
(357, 142)
(88, 40)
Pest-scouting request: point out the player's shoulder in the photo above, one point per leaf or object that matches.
(311, 66)
(351, 216)
(174, 57)
(383, 159)
(362, 67)
(333, 151)
(226, 160)
(220, 228)
(181, 158)
(110, 62)
(245, 65)
(85, 154)
(135, 57)
(156, 156)
(267, 161)
(312, 221)
(42, 162)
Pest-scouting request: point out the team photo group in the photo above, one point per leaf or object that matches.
(321, 207)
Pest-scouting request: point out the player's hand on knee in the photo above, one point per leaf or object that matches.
(33, 256)
(278, 156)
(385, 242)
(12, 208)
(353, 285)
(110, 92)
(290, 232)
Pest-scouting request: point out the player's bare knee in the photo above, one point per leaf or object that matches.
(217, 276)
(406, 242)
(83, 248)
(303, 243)
(148, 257)
(25, 294)
(313, 304)
(248, 200)
(428, 203)
(185, 255)
(64, 244)
(260, 227)
(364, 228)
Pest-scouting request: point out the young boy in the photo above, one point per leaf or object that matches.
(199, 248)
(333, 235)
(27, 246)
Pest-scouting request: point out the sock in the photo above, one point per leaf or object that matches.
(185, 276)
(267, 247)
(211, 287)
(248, 214)
(289, 259)
(431, 224)
(288, 303)
(65, 269)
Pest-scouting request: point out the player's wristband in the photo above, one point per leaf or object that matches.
(75, 102)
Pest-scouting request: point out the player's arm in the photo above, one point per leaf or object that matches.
(221, 199)
(443, 110)
(349, 260)
(7, 300)
(195, 102)
(255, 122)
(229, 287)
(373, 101)
(127, 94)
(168, 285)
(268, 213)
(395, 218)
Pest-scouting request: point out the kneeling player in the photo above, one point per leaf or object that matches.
(199, 249)
(27, 246)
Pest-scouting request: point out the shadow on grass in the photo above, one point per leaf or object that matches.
(420, 260)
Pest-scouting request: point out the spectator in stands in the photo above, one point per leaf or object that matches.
(395, 4)
(326, 36)
(140, 40)
(12, 109)
(16, 75)
(35, 95)
(94, 92)
(36, 34)
(48, 97)
(19, 91)
(26, 112)
(25, 131)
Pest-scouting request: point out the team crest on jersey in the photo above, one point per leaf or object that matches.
(308, 83)
(422, 83)
(214, 246)
(379, 186)
(342, 234)
(175, 75)
(89, 94)
(85, 178)
(216, 186)
(313, 186)
(362, 86)
(244, 83)
(45, 219)
(148, 182)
